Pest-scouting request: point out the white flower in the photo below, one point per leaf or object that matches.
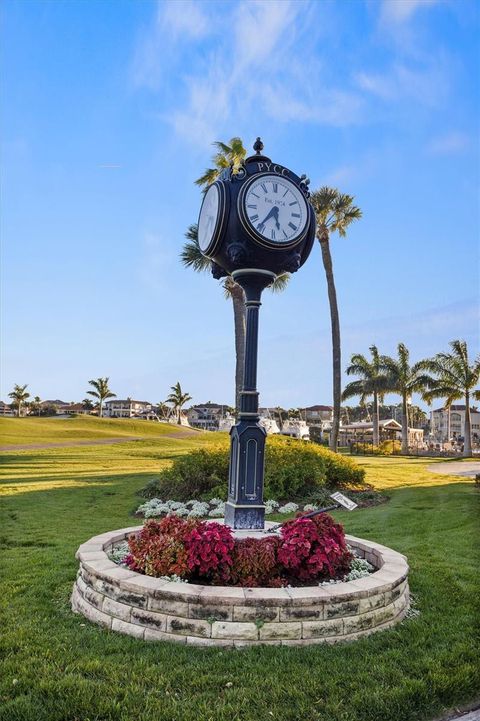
(216, 512)
(288, 508)
(173, 579)
(272, 503)
(310, 507)
(199, 509)
(119, 552)
(174, 505)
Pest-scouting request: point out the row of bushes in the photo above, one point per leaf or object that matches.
(385, 448)
(307, 550)
(294, 470)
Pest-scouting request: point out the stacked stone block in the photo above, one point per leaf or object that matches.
(153, 609)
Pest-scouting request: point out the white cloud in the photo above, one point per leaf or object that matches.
(253, 68)
(175, 21)
(448, 144)
(400, 11)
(425, 82)
(184, 18)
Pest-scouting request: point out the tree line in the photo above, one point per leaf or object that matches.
(448, 376)
(101, 392)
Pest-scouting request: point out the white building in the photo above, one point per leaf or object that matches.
(128, 408)
(206, 416)
(449, 423)
(389, 430)
(317, 415)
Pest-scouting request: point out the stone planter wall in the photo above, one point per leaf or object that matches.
(152, 609)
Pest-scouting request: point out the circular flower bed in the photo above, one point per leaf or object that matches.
(167, 608)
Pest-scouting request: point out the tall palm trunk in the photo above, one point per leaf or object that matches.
(336, 350)
(376, 418)
(467, 442)
(238, 300)
(404, 423)
(19, 407)
(100, 410)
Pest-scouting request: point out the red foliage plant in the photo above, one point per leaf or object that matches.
(308, 549)
(160, 549)
(314, 548)
(210, 548)
(255, 562)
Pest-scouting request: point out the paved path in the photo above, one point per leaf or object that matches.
(99, 442)
(456, 468)
(463, 716)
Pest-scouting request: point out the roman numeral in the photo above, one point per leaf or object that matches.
(264, 188)
(275, 187)
(286, 236)
(253, 218)
(254, 207)
(292, 226)
(295, 215)
(273, 235)
(295, 202)
(287, 190)
(257, 196)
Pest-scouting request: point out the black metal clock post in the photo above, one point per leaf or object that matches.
(255, 223)
(245, 508)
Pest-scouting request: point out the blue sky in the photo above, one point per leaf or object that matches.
(109, 112)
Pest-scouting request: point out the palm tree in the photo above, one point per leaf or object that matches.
(334, 212)
(373, 382)
(102, 392)
(162, 409)
(227, 156)
(455, 378)
(178, 399)
(405, 380)
(35, 405)
(231, 155)
(19, 395)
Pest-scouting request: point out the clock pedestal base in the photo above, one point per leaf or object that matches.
(244, 517)
(244, 508)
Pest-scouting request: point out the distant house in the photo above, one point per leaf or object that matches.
(449, 423)
(127, 408)
(75, 408)
(6, 409)
(316, 415)
(206, 416)
(54, 407)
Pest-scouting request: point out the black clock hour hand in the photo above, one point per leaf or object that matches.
(273, 213)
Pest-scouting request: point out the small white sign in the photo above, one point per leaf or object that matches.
(344, 501)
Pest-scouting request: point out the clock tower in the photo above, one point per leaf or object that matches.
(254, 224)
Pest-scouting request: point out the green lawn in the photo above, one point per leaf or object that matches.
(79, 428)
(59, 667)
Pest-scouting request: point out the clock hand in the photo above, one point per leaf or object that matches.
(273, 213)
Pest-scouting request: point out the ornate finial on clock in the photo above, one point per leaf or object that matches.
(258, 146)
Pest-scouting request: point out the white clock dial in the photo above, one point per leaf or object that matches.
(207, 221)
(276, 209)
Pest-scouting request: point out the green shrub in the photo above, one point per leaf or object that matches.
(386, 448)
(294, 470)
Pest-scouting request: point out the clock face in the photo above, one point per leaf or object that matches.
(207, 221)
(276, 210)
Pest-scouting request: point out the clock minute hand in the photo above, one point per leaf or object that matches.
(273, 213)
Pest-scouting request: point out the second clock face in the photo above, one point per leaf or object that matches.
(276, 209)
(207, 222)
